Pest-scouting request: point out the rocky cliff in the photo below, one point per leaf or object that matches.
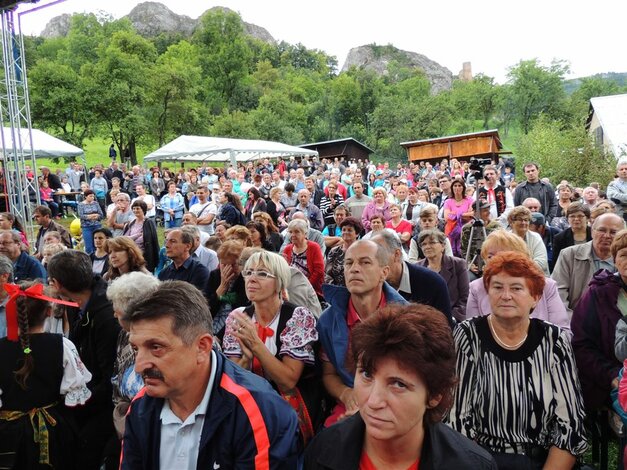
(153, 18)
(377, 58)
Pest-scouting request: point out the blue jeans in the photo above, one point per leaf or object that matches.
(88, 237)
(173, 223)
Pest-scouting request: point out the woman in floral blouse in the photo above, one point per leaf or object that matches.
(275, 339)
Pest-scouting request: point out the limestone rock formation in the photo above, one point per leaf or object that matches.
(153, 18)
(377, 58)
(57, 26)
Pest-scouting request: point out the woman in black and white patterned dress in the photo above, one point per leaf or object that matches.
(518, 394)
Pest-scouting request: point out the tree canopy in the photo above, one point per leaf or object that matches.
(105, 80)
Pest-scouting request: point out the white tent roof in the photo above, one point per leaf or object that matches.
(45, 145)
(190, 148)
(612, 114)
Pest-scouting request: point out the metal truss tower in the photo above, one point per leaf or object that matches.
(17, 139)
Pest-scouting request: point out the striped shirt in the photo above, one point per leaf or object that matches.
(507, 400)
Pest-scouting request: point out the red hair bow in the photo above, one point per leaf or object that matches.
(36, 292)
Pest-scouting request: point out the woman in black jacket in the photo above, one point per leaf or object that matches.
(404, 381)
(143, 231)
(231, 211)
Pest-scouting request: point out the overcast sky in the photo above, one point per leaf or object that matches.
(492, 35)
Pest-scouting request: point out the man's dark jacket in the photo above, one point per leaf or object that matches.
(339, 448)
(247, 426)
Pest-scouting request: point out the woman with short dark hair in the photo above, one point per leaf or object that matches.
(404, 382)
(334, 271)
(453, 270)
(143, 231)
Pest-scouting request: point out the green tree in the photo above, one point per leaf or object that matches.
(61, 101)
(173, 91)
(119, 75)
(590, 88)
(536, 90)
(225, 58)
(564, 153)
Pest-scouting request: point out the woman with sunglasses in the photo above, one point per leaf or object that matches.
(275, 339)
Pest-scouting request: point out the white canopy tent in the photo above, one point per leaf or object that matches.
(190, 148)
(44, 145)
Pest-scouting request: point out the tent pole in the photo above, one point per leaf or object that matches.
(233, 159)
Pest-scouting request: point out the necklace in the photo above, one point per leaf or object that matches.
(500, 341)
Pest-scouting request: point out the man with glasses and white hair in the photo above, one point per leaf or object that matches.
(577, 264)
(25, 267)
(617, 189)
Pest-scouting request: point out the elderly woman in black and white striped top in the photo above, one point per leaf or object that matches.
(518, 394)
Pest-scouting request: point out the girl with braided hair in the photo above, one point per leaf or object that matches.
(41, 379)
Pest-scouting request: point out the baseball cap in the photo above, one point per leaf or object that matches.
(537, 219)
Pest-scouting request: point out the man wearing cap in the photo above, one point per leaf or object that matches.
(485, 216)
(497, 196)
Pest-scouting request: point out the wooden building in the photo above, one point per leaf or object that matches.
(348, 149)
(484, 144)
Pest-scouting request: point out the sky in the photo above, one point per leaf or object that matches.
(492, 35)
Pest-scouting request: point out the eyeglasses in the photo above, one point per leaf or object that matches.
(521, 219)
(258, 274)
(10, 242)
(431, 243)
(576, 217)
(605, 231)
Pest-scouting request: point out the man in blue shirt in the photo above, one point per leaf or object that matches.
(178, 247)
(25, 267)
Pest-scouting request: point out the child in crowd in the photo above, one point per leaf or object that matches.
(41, 378)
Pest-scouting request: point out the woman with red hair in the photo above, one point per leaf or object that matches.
(519, 394)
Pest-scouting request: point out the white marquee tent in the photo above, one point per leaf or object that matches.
(190, 148)
(44, 145)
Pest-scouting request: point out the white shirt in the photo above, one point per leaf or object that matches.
(203, 210)
(149, 199)
(180, 441)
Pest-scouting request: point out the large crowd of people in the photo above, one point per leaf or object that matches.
(332, 314)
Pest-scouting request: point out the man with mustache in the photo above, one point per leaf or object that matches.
(198, 409)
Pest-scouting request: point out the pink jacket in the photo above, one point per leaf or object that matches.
(550, 306)
(371, 210)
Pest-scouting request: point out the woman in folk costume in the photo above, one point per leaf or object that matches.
(41, 379)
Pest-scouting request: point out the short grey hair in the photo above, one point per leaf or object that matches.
(274, 263)
(124, 196)
(298, 224)
(178, 300)
(389, 241)
(6, 266)
(128, 287)
(431, 234)
(621, 162)
(193, 230)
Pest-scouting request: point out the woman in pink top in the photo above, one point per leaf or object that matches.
(457, 211)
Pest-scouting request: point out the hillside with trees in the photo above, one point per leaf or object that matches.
(105, 80)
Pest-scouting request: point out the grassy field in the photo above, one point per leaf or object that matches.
(96, 151)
